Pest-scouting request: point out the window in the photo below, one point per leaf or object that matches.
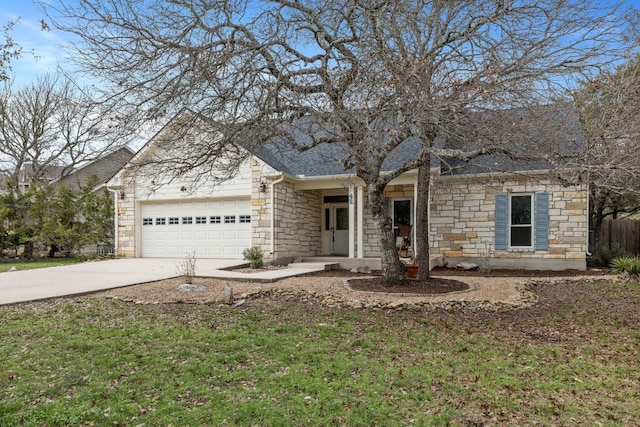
(161, 221)
(201, 220)
(147, 221)
(229, 219)
(520, 220)
(215, 220)
(187, 220)
(401, 212)
(245, 219)
(174, 221)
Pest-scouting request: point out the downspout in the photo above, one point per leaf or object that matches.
(273, 213)
(115, 218)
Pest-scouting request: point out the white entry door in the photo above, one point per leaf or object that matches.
(339, 229)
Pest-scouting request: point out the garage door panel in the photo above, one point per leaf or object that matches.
(213, 229)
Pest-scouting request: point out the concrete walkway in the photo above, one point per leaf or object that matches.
(31, 285)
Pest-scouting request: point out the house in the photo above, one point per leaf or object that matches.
(495, 211)
(27, 173)
(103, 168)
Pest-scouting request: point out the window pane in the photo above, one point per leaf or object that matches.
(521, 210)
(342, 218)
(401, 212)
(520, 236)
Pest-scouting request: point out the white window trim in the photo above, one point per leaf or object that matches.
(532, 225)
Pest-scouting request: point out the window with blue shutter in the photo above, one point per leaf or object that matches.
(502, 208)
(542, 221)
(522, 221)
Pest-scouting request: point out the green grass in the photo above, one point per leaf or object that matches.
(91, 361)
(39, 263)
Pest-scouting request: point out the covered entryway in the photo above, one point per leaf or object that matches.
(206, 228)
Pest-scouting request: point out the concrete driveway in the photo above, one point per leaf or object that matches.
(29, 285)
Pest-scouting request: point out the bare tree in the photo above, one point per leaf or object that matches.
(9, 50)
(609, 107)
(50, 126)
(375, 76)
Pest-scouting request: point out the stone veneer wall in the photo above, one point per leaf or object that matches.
(463, 216)
(126, 222)
(463, 228)
(297, 221)
(371, 239)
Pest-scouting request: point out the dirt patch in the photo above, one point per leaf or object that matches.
(249, 270)
(332, 288)
(443, 271)
(433, 286)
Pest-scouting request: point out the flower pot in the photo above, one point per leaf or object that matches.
(411, 270)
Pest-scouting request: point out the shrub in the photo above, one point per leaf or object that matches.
(187, 268)
(254, 256)
(626, 264)
(603, 255)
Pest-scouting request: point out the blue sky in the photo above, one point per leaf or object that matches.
(44, 50)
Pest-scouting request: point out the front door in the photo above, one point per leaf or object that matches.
(339, 228)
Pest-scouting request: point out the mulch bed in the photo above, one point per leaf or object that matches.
(443, 271)
(439, 285)
(433, 286)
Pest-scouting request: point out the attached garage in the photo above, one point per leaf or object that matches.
(206, 228)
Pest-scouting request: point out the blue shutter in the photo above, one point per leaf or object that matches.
(502, 221)
(542, 221)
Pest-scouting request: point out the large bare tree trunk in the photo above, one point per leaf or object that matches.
(597, 217)
(421, 244)
(393, 271)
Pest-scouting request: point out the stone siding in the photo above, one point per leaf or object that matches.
(463, 216)
(371, 236)
(126, 221)
(297, 221)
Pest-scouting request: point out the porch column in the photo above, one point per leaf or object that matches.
(352, 223)
(360, 206)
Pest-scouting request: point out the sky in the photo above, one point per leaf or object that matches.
(44, 50)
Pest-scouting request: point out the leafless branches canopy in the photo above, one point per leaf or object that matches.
(372, 73)
(50, 126)
(609, 107)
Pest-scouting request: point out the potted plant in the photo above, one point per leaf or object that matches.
(411, 269)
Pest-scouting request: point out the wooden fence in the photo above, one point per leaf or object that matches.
(624, 232)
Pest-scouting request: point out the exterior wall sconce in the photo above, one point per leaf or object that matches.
(121, 194)
(263, 187)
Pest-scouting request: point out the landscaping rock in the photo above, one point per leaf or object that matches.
(467, 266)
(190, 288)
(226, 294)
(364, 269)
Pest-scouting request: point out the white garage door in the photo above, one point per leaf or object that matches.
(210, 229)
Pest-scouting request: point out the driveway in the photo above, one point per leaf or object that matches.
(29, 285)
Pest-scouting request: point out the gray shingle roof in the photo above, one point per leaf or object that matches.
(551, 126)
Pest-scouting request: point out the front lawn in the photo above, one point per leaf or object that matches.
(39, 263)
(572, 359)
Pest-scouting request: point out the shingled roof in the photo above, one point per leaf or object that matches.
(553, 130)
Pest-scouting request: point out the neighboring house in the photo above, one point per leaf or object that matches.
(26, 175)
(103, 168)
(494, 212)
